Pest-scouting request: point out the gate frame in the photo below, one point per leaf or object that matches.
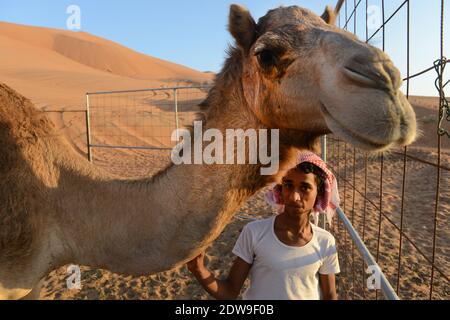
(88, 112)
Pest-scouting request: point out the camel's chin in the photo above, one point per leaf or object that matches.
(350, 136)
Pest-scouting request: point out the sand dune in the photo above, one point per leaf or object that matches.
(56, 67)
(98, 53)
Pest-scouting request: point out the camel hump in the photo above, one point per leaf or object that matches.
(21, 126)
(20, 115)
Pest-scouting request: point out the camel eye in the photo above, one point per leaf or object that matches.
(266, 58)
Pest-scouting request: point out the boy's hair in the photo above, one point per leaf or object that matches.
(308, 167)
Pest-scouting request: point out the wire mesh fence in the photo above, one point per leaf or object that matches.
(137, 128)
(390, 203)
(399, 202)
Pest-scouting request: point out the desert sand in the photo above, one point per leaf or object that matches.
(55, 69)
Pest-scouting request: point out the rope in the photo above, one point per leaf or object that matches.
(444, 110)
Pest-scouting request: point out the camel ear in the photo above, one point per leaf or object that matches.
(242, 27)
(329, 16)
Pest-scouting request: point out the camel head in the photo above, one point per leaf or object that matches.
(302, 73)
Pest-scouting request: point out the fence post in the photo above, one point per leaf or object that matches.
(88, 129)
(175, 97)
(385, 286)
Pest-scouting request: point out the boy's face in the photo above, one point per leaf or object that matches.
(299, 192)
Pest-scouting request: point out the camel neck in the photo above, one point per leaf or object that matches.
(151, 225)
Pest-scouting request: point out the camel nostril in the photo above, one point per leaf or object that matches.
(366, 75)
(359, 78)
(368, 70)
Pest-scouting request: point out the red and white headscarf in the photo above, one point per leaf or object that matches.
(327, 203)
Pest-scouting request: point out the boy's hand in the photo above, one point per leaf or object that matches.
(196, 264)
(220, 289)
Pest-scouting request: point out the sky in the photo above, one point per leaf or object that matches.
(194, 33)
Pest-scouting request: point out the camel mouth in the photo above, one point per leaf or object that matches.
(349, 135)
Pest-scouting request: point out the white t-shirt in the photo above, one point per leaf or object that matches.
(282, 272)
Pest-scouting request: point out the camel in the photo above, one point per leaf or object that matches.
(293, 70)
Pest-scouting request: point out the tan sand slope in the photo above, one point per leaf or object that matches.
(98, 53)
(427, 113)
(56, 67)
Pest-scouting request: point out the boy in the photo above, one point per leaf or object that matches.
(286, 256)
